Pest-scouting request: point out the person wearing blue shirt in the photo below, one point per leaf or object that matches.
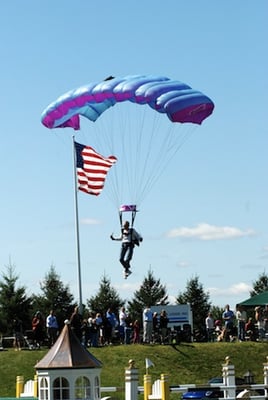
(228, 317)
(52, 328)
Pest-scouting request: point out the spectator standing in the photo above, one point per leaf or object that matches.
(52, 328)
(122, 324)
(136, 332)
(241, 317)
(93, 336)
(259, 321)
(265, 319)
(111, 324)
(99, 324)
(18, 334)
(155, 323)
(163, 325)
(128, 330)
(76, 321)
(210, 329)
(228, 317)
(147, 325)
(38, 329)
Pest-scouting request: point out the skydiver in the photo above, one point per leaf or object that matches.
(129, 237)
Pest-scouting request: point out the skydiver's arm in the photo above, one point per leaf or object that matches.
(115, 238)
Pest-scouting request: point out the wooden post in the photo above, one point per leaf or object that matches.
(19, 385)
(165, 386)
(147, 385)
(131, 382)
(35, 392)
(228, 375)
(265, 376)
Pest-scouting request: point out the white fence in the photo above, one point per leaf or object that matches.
(161, 388)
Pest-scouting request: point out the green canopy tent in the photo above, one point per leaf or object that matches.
(260, 299)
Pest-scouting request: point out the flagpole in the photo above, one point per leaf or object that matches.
(77, 233)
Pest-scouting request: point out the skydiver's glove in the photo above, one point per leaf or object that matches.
(141, 239)
(112, 237)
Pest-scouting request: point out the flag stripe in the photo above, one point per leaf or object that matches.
(91, 168)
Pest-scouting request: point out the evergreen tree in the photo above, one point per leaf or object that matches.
(217, 312)
(260, 285)
(55, 296)
(151, 293)
(14, 303)
(106, 297)
(199, 301)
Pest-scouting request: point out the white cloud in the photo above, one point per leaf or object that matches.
(205, 231)
(232, 295)
(236, 289)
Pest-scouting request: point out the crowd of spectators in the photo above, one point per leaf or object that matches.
(237, 326)
(94, 329)
(101, 329)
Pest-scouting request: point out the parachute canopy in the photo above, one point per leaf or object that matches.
(177, 100)
(151, 119)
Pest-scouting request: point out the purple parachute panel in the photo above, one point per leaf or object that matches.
(127, 207)
(177, 100)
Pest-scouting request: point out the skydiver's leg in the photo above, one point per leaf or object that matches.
(124, 250)
(129, 255)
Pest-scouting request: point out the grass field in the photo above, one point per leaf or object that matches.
(184, 363)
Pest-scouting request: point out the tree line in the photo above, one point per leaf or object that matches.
(54, 294)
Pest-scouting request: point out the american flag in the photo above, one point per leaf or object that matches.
(91, 168)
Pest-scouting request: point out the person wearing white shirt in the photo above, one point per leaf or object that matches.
(210, 327)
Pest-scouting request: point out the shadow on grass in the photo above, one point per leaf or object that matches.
(177, 348)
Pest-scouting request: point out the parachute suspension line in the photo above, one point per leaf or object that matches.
(130, 135)
(138, 170)
(144, 143)
(121, 134)
(153, 165)
(172, 142)
(145, 164)
(145, 149)
(133, 216)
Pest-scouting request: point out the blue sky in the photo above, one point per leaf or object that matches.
(207, 214)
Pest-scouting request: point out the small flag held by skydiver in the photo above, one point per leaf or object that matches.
(148, 364)
(91, 169)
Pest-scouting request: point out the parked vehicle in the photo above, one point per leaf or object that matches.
(210, 392)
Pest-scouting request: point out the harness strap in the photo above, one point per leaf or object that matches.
(133, 216)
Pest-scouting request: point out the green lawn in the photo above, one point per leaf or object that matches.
(184, 363)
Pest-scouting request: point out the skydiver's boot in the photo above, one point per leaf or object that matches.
(129, 273)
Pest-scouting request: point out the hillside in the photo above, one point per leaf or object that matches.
(184, 363)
